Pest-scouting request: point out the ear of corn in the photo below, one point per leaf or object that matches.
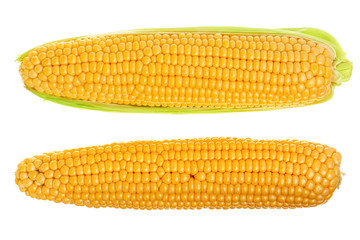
(186, 174)
(188, 70)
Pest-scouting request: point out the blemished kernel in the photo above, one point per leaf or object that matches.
(181, 174)
(219, 70)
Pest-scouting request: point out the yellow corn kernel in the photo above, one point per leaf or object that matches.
(192, 173)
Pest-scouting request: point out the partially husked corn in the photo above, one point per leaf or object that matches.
(219, 173)
(184, 69)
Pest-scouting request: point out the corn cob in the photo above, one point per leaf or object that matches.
(219, 173)
(187, 70)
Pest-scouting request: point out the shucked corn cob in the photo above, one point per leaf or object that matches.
(206, 69)
(186, 174)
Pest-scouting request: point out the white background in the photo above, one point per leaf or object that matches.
(30, 126)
